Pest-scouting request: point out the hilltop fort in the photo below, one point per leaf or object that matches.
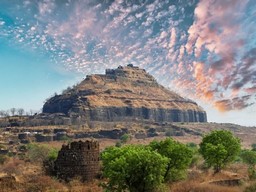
(125, 93)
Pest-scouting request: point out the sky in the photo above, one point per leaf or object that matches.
(204, 50)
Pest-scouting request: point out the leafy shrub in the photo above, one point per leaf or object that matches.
(65, 138)
(3, 159)
(52, 154)
(196, 159)
(251, 173)
(118, 144)
(37, 153)
(40, 153)
(125, 138)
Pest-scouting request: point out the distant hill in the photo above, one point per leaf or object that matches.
(124, 93)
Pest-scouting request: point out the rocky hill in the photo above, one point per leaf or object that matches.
(124, 94)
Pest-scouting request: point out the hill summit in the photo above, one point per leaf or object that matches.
(125, 93)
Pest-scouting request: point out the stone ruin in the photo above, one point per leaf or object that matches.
(78, 159)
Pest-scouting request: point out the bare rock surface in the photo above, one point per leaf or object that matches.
(124, 93)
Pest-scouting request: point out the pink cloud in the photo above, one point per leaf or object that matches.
(217, 29)
(237, 103)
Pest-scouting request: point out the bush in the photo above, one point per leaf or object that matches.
(251, 173)
(118, 144)
(40, 153)
(196, 160)
(52, 154)
(3, 159)
(125, 138)
(65, 138)
(37, 153)
(249, 157)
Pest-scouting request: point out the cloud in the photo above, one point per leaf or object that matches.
(229, 67)
(204, 49)
(173, 38)
(44, 7)
(251, 90)
(237, 103)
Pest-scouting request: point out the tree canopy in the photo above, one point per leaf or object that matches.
(133, 167)
(179, 157)
(248, 157)
(138, 168)
(219, 148)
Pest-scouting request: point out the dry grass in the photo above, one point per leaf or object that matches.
(43, 183)
(12, 166)
(200, 181)
(77, 186)
(29, 177)
(189, 186)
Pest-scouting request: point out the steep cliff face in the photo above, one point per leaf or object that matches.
(122, 94)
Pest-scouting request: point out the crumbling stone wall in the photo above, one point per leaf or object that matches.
(78, 159)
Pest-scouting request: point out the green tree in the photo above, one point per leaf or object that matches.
(249, 157)
(179, 157)
(253, 147)
(219, 148)
(133, 167)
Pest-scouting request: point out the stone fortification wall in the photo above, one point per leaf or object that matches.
(78, 159)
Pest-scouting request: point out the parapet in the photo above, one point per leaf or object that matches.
(81, 146)
(78, 159)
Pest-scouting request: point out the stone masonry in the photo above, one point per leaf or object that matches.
(78, 159)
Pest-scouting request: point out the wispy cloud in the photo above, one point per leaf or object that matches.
(204, 50)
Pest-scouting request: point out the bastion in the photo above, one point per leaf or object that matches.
(78, 160)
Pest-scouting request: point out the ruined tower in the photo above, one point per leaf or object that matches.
(78, 159)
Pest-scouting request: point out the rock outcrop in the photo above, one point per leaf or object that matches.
(124, 94)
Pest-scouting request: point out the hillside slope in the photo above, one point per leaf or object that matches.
(122, 94)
